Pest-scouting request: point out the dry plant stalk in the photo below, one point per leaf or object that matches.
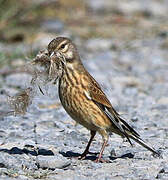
(46, 73)
(48, 69)
(20, 102)
(55, 70)
(45, 70)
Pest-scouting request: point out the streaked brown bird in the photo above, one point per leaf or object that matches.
(84, 100)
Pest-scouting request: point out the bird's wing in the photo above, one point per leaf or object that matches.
(97, 94)
(100, 99)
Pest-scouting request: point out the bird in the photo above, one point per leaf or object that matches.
(84, 100)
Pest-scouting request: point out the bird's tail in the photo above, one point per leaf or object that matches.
(125, 130)
(144, 144)
(132, 134)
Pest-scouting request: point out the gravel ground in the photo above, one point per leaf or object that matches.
(40, 144)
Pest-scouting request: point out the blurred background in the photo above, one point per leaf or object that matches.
(28, 25)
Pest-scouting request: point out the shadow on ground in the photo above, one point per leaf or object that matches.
(92, 157)
(33, 152)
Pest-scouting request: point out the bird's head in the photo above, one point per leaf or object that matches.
(63, 47)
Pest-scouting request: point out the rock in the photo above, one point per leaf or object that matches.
(47, 123)
(52, 162)
(9, 161)
(134, 119)
(163, 100)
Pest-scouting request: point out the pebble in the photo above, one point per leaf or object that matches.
(163, 100)
(52, 162)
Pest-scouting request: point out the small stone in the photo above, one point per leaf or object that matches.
(113, 153)
(9, 161)
(163, 100)
(52, 162)
(134, 119)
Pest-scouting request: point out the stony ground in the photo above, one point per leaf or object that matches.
(134, 75)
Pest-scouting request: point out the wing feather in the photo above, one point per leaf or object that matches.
(100, 99)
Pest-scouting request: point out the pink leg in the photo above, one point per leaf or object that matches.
(99, 159)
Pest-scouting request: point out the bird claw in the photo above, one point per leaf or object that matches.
(83, 155)
(158, 154)
(100, 160)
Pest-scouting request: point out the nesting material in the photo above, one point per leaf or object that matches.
(45, 71)
(20, 102)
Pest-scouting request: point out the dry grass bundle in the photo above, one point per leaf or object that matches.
(45, 71)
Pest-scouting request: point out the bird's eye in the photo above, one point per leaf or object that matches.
(62, 46)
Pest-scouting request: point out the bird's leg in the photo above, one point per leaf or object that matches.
(83, 155)
(99, 159)
(105, 140)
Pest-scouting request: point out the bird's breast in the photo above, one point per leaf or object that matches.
(72, 88)
(75, 98)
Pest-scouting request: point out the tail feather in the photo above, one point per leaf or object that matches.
(130, 133)
(128, 127)
(142, 143)
(123, 128)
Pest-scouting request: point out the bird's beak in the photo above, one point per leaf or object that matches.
(57, 54)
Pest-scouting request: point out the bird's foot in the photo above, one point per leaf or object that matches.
(100, 160)
(83, 155)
